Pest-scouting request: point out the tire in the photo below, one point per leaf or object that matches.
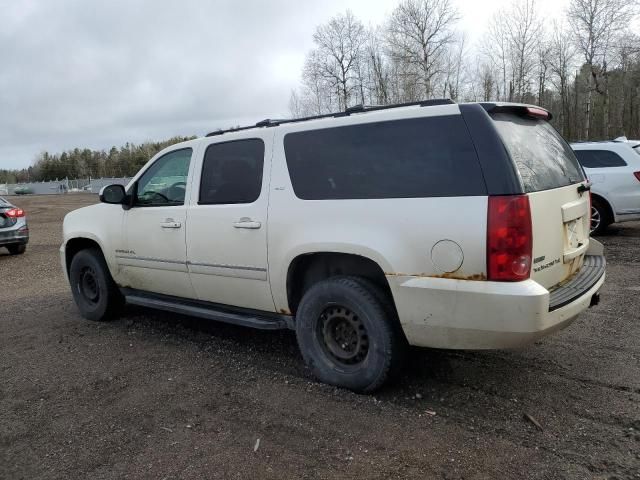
(17, 249)
(94, 291)
(600, 217)
(348, 334)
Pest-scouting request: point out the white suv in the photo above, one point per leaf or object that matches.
(614, 171)
(432, 224)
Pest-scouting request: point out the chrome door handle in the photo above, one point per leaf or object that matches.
(247, 223)
(170, 223)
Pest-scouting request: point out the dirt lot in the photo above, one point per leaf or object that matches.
(155, 395)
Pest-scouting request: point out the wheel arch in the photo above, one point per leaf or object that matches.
(76, 244)
(309, 268)
(607, 204)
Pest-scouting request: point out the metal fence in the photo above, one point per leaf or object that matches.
(92, 185)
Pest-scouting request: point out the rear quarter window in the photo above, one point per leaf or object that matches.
(543, 159)
(599, 159)
(412, 158)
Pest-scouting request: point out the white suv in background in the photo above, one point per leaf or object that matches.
(431, 224)
(614, 171)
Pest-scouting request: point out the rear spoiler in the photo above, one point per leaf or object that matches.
(520, 109)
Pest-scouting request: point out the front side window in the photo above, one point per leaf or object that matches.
(412, 158)
(599, 159)
(165, 182)
(232, 172)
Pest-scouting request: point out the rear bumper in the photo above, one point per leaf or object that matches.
(17, 236)
(462, 314)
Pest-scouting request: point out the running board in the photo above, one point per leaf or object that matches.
(209, 311)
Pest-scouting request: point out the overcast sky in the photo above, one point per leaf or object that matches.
(89, 73)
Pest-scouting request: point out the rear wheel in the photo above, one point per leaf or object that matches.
(17, 249)
(347, 334)
(600, 218)
(94, 291)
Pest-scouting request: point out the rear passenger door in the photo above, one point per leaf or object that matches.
(227, 227)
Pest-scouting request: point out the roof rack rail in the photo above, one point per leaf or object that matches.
(269, 122)
(348, 111)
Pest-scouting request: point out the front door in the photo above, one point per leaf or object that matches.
(155, 257)
(227, 228)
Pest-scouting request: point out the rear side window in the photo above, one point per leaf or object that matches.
(420, 157)
(232, 172)
(543, 158)
(599, 159)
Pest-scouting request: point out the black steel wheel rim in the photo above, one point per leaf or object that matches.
(342, 335)
(88, 285)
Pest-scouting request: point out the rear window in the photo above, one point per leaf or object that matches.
(599, 159)
(543, 158)
(419, 157)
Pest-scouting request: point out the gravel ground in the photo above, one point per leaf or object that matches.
(157, 395)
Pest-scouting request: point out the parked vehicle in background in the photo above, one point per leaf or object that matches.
(14, 231)
(23, 190)
(433, 224)
(613, 167)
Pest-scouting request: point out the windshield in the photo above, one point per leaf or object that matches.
(544, 160)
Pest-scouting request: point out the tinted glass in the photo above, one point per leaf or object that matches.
(421, 157)
(165, 182)
(232, 172)
(542, 157)
(599, 159)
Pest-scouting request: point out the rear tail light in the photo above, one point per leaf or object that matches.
(637, 175)
(15, 213)
(509, 238)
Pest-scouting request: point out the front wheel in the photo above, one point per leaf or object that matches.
(94, 291)
(347, 335)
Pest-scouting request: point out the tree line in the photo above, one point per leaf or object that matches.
(584, 67)
(84, 163)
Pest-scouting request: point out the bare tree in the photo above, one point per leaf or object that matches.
(379, 77)
(320, 92)
(626, 60)
(561, 62)
(495, 47)
(595, 24)
(340, 46)
(587, 73)
(543, 68)
(454, 68)
(524, 30)
(419, 32)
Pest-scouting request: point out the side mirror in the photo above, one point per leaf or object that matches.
(114, 194)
